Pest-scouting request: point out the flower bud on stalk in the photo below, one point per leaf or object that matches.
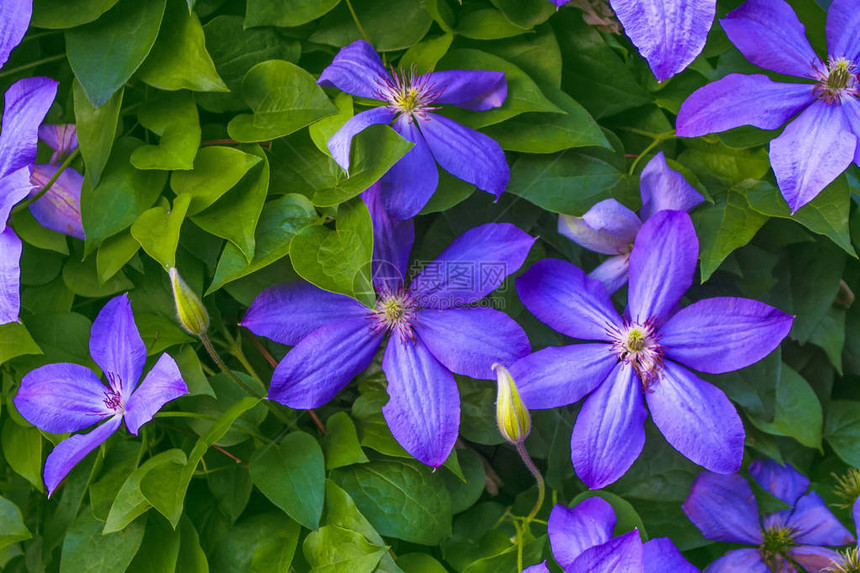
(190, 311)
(511, 414)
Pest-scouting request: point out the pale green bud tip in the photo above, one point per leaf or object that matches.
(190, 311)
(511, 414)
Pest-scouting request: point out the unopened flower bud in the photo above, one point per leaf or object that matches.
(511, 414)
(190, 311)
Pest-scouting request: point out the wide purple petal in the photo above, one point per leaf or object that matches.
(469, 89)
(769, 34)
(466, 153)
(782, 481)
(27, 102)
(14, 21)
(61, 398)
(661, 556)
(288, 312)
(340, 144)
(612, 272)
(323, 362)
(392, 241)
(558, 376)
(357, 70)
(815, 524)
(573, 530)
(116, 345)
(855, 515)
(10, 276)
(619, 555)
(13, 187)
(610, 429)
(812, 151)
(539, 568)
(851, 107)
(669, 34)
(408, 186)
(62, 138)
(563, 297)
(724, 509)
(738, 99)
(161, 385)
(723, 334)
(746, 560)
(70, 451)
(468, 341)
(662, 264)
(843, 30)
(475, 264)
(697, 419)
(816, 559)
(664, 189)
(424, 410)
(609, 228)
(59, 209)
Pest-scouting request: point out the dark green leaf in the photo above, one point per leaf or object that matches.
(338, 28)
(58, 14)
(287, 13)
(86, 550)
(96, 128)
(341, 444)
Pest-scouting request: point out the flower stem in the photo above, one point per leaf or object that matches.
(521, 450)
(25, 67)
(51, 181)
(658, 139)
(216, 358)
(357, 22)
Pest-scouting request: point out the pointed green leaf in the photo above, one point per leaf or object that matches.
(96, 129)
(173, 117)
(216, 170)
(157, 230)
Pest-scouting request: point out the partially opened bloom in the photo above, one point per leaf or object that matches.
(409, 101)
(822, 141)
(582, 541)
(610, 228)
(61, 398)
(14, 21)
(644, 353)
(433, 326)
(724, 509)
(59, 209)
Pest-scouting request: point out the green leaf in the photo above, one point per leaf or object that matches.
(798, 411)
(234, 216)
(338, 260)
(341, 444)
(292, 476)
(30, 231)
(22, 449)
(216, 170)
(280, 221)
(755, 386)
(191, 559)
(179, 59)
(420, 563)
(842, 430)
(829, 335)
(96, 129)
(332, 549)
(157, 230)
(283, 97)
(159, 549)
(82, 278)
(120, 461)
(321, 131)
(114, 253)
(450, 192)
(86, 550)
(525, 13)
(466, 492)
(16, 341)
(426, 54)
(12, 528)
(104, 54)
(59, 14)
(285, 13)
(260, 544)
(628, 518)
(400, 498)
(173, 117)
(487, 24)
(338, 28)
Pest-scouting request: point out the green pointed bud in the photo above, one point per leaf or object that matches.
(511, 414)
(190, 311)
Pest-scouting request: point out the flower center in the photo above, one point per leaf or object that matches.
(113, 400)
(638, 345)
(409, 93)
(837, 80)
(850, 562)
(778, 539)
(395, 312)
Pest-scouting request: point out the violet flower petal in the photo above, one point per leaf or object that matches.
(288, 312)
(662, 264)
(470, 89)
(739, 99)
(815, 559)
(10, 276)
(815, 524)
(782, 481)
(608, 228)
(610, 429)
(664, 189)
(851, 107)
(59, 209)
(13, 187)
(61, 398)
(324, 362)
(540, 567)
(63, 139)
(116, 345)
(724, 509)
(855, 514)
(561, 296)
(746, 560)
(612, 272)
(669, 34)
(468, 341)
(410, 183)
(161, 385)
(557, 376)
(392, 241)
(424, 410)
(843, 30)
(475, 264)
(768, 34)
(340, 144)
(573, 530)
(661, 556)
(619, 555)
(356, 70)
(27, 102)
(723, 334)
(813, 150)
(72, 450)
(14, 21)
(467, 154)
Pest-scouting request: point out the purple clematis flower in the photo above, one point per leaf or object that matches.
(581, 540)
(849, 560)
(433, 326)
(610, 228)
(724, 509)
(642, 353)
(822, 141)
(409, 101)
(59, 209)
(60, 398)
(14, 21)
